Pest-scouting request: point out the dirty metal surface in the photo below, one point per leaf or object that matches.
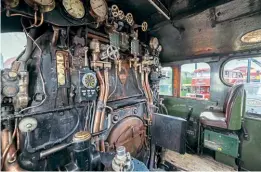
(125, 82)
(130, 132)
(169, 132)
(217, 30)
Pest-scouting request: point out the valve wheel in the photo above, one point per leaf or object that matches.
(121, 15)
(129, 18)
(114, 8)
(115, 14)
(144, 26)
(113, 52)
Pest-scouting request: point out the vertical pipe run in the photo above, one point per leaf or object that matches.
(10, 160)
(100, 103)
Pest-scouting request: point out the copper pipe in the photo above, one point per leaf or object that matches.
(41, 21)
(99, 104)
(106, 79)
(9, 162)
(102, 145)
(106, 94)
(148, 87)
(150, 99)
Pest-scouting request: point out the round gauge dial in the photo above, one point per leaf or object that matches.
(89, 80)
(99, 8)
(9, 91)
(74, 8)
(154, 43)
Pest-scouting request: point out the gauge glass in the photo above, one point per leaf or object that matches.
(74, 8)
(44, 2)
(154, 43)
(89, 80)
(99, 7)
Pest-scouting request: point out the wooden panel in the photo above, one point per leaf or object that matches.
(192, 162)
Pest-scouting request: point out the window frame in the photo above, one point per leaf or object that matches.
(172, 82)
(193, 75)
(222, 67)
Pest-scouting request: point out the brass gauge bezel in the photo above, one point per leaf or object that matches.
(154, 45)
(12, 3)
(43, 8)
(70, 15)
(97, 16)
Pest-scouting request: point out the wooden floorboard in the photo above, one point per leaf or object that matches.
(192, 162)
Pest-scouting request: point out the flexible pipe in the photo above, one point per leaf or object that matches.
(106, 79)
(9, 161)
(97, 117)
(29, 46)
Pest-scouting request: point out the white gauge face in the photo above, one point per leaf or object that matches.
(154, 43)
(74, 8)
(99, 7)
(44, 2)
(89, 80)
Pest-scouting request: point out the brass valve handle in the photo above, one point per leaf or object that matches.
(121, 15)
(129, 18)
(144, 26)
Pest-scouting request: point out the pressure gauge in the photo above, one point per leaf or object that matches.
(74, 8)
(10, 90)
(45, 5)
(89, 80)
(154, 43)
(99, 8)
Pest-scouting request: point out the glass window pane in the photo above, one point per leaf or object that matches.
(166, 83)
(245, 70)
(8, 53)
(195, 81)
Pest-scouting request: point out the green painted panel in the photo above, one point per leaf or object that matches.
(251, 148)
(226, 159)
(179, 107)
(225, 143)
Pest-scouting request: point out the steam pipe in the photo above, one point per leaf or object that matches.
(143, 85)
(106, 79)
(29, 47)
(159, 9)
(100, 102)
(10, 161)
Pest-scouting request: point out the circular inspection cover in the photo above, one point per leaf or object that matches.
(27, 124)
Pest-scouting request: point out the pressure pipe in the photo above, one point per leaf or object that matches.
(10, 160)
(159, 9)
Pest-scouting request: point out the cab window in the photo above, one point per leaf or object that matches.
(245, 70)
(195, 81)
(166, 86)
(248, 73)
(12, 44)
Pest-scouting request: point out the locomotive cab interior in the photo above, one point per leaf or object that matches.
(147, 85)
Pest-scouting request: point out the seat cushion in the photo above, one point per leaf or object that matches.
(215, 119)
